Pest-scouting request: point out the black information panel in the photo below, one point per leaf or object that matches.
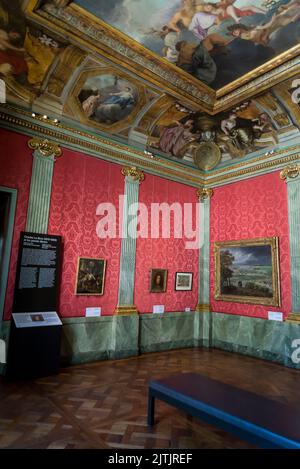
(38, 273)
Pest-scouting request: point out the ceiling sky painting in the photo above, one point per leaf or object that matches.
(216, 42)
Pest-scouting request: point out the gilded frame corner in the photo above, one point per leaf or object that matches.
(273, 242)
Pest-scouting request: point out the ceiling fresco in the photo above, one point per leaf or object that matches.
(217, 42)
(48, 71)
(26, 51)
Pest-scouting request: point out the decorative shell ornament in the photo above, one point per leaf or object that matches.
(207, 155)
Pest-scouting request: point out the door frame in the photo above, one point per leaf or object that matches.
(7, 246)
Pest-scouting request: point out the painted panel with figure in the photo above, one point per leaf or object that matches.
(107, 98)
(26, 52)
(217, 41)
(186, 134)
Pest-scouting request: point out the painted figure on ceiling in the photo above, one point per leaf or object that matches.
(174, 138)
(107, 98)
(12, 61)
(91, 103)
(25, 53)
(197, 61)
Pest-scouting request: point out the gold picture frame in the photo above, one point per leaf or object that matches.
(90, 276)
(158, 281)
(247, 271)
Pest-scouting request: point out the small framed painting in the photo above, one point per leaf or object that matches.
(90, 276)
(158, 283)
(183, 281)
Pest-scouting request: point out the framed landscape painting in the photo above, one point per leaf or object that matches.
(183, 281)
(247, 271)
(90, 276)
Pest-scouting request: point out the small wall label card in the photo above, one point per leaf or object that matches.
(275, 316)
(158, 309)
(93, 312)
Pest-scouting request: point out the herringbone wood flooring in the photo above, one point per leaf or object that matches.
(104, 404)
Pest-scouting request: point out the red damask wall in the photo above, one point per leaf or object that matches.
(255, 208)
(80, 183)
(15, 173)
(162, 253)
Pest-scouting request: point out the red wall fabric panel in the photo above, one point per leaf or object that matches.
(80, 184)
(15, 173)
(170, 254)
(256, 208)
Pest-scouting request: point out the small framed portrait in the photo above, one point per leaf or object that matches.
(183, 281)
(158, 283)
(90, 276)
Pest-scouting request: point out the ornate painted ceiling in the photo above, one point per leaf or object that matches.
(217, 42)
(107, 68)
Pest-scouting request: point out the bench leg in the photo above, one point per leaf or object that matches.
(151, 410)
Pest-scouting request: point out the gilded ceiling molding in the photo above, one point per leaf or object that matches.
(290, 172)
(204, 193)
(133, 173)
(265, 72)
(44, 147)
(68, 61)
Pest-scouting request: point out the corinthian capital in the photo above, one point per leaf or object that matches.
(133, 173)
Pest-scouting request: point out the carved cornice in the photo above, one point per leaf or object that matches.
(290, 172)
(205, 193)
(21, 120)
(44, 147)
(133, 173)
(96, 145)
(127, 310)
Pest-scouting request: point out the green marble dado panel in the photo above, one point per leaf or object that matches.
(91, 339)
(270, 340)
(86, 339)
(125, 336)
(168, 331)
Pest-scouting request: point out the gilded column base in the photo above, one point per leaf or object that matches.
(203, 308)
(294, 318)
(126, 310)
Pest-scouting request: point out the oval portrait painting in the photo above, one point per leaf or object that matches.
(107, 98)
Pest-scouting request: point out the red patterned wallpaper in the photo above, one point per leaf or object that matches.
(255, 208)
(162, 253)
(15, 173)
(80, 183)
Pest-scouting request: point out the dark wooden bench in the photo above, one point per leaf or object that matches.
(261, 421)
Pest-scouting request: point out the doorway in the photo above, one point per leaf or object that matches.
(8, 199)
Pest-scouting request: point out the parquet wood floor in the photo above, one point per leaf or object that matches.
(104, 405)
